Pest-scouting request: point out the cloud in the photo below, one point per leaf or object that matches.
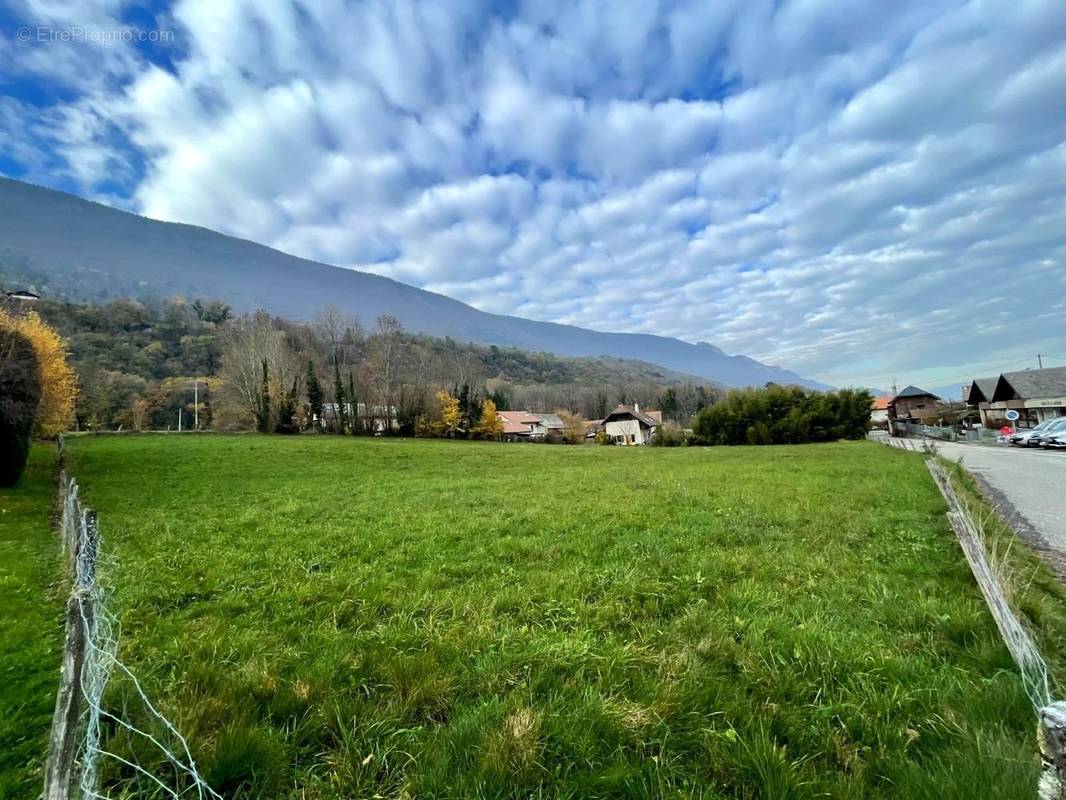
(858, 191)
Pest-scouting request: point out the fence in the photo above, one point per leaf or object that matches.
(1051, 716)
(90, 658)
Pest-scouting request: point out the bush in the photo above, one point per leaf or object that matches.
(20, 396)
(783, 415)
(670, 434)
(57, 382)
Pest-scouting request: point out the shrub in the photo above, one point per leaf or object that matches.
(58, 383)
(20, 395)
(670, 434)
(783, 415)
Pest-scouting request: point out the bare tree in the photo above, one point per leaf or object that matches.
(258, 366)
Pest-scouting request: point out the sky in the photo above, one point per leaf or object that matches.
(867, 193)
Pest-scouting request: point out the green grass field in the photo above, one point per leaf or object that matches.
(338, 618)
(31, 626)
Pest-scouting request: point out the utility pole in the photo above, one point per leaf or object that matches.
(196, 405)
(179, 419)
(1039, 361)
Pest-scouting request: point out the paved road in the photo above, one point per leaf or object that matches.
(1031, 483)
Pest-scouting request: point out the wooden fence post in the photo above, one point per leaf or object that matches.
(60, 781)
(80, 534)
(1052, 738)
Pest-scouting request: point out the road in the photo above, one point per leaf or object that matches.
(1027, 484)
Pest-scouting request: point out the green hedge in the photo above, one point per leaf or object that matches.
(783, 415)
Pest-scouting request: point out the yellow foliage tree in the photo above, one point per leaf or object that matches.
(59, 382)
(490, 426)
(449, 413)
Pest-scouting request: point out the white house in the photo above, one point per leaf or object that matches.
(628, 425)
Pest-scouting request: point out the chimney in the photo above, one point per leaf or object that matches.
(636, 407)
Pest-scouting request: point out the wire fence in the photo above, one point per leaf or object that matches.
(90, 662)
(1051, 715)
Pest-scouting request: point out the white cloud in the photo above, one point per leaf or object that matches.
(853, 190)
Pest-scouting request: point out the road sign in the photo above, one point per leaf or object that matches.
(1012, 415)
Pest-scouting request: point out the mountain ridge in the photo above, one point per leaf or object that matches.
(102, 247)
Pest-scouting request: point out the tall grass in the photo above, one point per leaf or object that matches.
(332, 618)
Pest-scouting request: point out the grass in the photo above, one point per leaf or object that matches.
(31, 626)
(331, 618)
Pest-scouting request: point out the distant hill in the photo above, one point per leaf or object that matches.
(78, 249)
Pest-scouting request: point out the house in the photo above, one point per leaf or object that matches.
(879, 409)
(628, 425)
(978, 394)
(552, 424)
(522, 426)
(913, 404)
(1036, 394)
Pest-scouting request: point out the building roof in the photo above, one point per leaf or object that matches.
(521, 417)
(629, 411)
(655, 415)
(1031, 383)
(980, 390)
(913, 391)
(551, 421)
(881, 403)
(516, 428)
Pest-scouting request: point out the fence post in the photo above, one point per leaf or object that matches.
(1052, 738)
(80, 534)
(60, 777)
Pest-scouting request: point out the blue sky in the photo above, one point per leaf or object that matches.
(863, 192)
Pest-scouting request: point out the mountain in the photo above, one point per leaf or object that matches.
(91, 251)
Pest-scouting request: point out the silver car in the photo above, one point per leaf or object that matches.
(1038, 438)
(1023, 438)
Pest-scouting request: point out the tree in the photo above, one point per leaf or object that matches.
(262, 413)
(386, 350)
(449, 414)
(286, 409)
(315, 395)
(340, 402)
(354, 403)
(20, 396)
(489, 424)
(138, 413)
(668, 404)
(249, 343)
(56, 378)
(574, 427)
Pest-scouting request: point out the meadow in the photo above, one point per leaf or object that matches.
(344, 618)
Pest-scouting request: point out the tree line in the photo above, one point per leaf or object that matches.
(146, 364)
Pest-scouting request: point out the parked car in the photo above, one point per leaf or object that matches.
(1038, 438)
(1022, 438)
(1055, 440)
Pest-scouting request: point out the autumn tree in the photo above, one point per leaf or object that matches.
(489, 424)
(574, 427)
(138, 412)
(450, 416)
(56, 378)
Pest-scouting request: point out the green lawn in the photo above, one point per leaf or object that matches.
(339, 618)
(31, 626)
